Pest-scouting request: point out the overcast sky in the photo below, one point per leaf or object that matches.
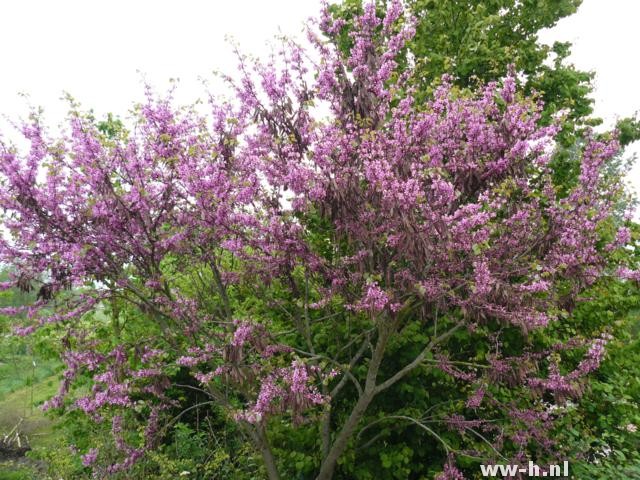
(604, 34)
(102, 52)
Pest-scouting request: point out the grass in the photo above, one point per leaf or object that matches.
(18, 473)
(25, 403)
(18, 371)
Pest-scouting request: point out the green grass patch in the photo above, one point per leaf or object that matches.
(18, 371)
(9, 471)
(25, 403)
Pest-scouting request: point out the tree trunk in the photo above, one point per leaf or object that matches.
(340, 444)
(329, 463)
(270, 463)
(259, 436)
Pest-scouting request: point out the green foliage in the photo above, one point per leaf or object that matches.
(601, 432)
(111, 127)
(19, 474)
(629, 129)
(191, 455)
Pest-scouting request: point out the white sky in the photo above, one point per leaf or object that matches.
(101, 51)
(604, 34)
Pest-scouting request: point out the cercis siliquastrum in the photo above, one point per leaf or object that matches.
(325, 180)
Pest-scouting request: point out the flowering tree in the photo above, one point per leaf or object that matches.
(283, 256)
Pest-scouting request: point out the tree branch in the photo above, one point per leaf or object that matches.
(418, 360)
